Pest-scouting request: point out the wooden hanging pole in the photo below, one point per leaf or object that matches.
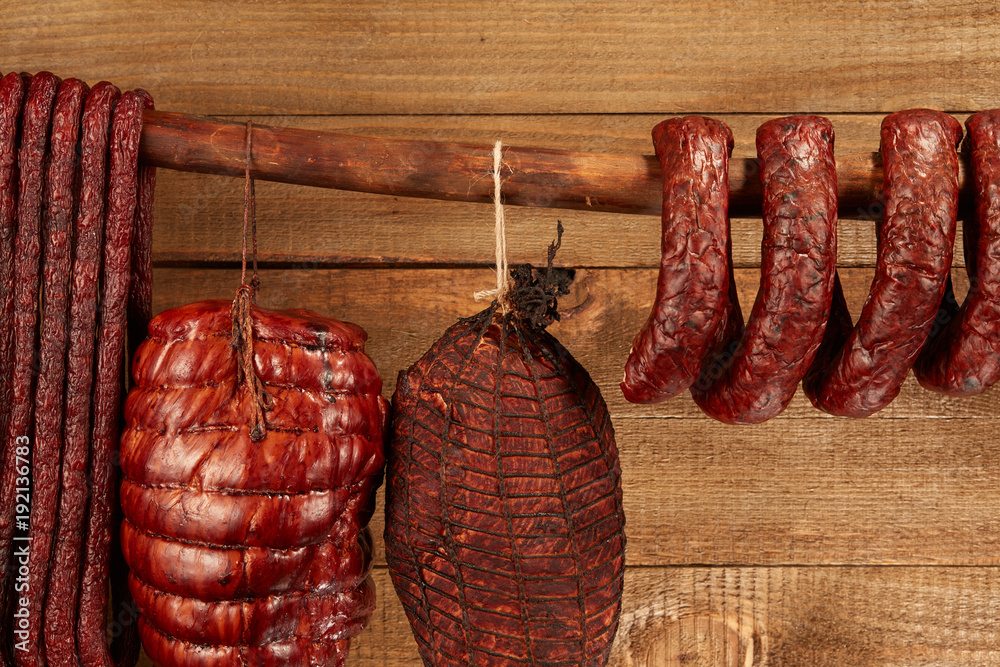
(541, 177)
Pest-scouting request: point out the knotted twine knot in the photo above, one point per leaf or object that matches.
(246, 296)
(535, 293)
(246, 374)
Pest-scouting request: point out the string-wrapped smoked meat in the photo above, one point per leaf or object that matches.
(247, 541)
(504, 525)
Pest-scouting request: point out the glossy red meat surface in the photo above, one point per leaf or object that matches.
(245, 552)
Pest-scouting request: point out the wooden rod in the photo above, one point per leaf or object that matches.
(615, 182)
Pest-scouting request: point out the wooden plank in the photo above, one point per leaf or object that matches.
(198, 217)
(843, 617)
(811, 492)
(405, 310)
(736, 617)
(807, 492)
(538, 56)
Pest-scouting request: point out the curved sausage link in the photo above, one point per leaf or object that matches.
(963, 359)
(914, 259)
(694, 280)
(752, 378)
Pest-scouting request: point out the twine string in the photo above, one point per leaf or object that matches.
(246, 296)
(502, 291)
(250, 216)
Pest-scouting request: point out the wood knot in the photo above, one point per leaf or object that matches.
(691, 640)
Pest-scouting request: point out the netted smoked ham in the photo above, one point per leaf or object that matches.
(504, 524)
(248, 545)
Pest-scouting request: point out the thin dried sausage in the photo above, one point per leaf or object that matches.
(64, 584)
(125, 642)
(12, 89)
(27, 248)
(47, 446)
(126, 126)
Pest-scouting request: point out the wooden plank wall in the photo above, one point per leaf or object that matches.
(805, 541)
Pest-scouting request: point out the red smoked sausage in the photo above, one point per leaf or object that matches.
(64, 582)
(126, 125)
(27, 250)
(963, 359)
(694, 280)
(798, 262)
(857, 375)
(47, 446)
(12, 89)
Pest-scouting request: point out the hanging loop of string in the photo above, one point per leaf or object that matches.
(246, 296)
(250, 217)
(502, 291)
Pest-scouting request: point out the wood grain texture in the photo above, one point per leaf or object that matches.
(198, 217)
(453, 171)
(813, 492)
(819, 500)
(527, 56)
(773, 617)
(405, 310)
(769, 617)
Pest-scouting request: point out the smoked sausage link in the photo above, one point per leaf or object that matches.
(963, 358)
(27, 251)
(751, 379)
(694, 281)
(64, 579)
(12, 89)
(860, 373)
(91, 633)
